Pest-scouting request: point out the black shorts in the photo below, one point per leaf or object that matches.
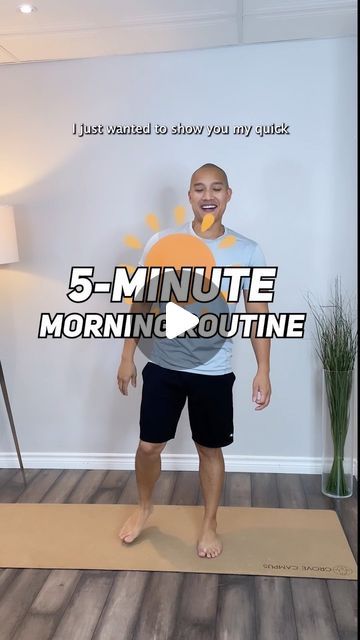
(210, 405)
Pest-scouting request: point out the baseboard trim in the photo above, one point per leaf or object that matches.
(169, 462)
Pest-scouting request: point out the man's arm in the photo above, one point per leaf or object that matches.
(127, 369)
(261, 390)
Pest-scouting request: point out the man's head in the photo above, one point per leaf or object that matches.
(209, 191)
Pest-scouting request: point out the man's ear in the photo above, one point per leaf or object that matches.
(229, 193)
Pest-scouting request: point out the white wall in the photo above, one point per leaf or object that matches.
(76, 198)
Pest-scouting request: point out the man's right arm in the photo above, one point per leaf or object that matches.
(127, 369)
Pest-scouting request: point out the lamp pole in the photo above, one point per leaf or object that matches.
(11, 419)
(8, 254)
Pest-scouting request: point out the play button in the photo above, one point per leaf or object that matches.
(182, 346)
(178, 320)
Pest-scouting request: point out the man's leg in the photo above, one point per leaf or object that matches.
(210, 405)
(148, 468)
(212, 475)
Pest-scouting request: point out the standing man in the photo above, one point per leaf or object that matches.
(208, 386)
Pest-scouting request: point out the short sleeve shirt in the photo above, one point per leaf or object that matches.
(241, 251)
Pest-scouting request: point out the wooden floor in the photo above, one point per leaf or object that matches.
(37, 604)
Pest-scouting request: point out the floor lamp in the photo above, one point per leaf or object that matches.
(9, 254)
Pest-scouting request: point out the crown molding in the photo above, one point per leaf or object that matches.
(215, 23)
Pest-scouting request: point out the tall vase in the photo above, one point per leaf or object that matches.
(337, 432)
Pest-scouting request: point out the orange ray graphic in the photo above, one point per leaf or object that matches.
(207, 222)
(129, 267)
(153, 221)
(228, 241)
(133, 242)
(179, 214)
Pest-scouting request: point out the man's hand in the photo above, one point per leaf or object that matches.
(126, 372)
(261, 390)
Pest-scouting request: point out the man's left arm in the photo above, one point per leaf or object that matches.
(261, 388)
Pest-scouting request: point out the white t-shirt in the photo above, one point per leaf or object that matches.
(243, 252)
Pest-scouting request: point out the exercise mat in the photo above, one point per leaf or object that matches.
(302, 543)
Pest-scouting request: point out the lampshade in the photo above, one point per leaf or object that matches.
(8, 243)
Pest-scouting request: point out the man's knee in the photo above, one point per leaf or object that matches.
(151, 447)
(208, 451)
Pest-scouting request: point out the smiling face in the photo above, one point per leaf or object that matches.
(209, 193)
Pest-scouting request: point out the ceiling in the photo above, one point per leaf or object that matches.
(73, 29)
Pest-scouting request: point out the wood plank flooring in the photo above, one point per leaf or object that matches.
(39, 604)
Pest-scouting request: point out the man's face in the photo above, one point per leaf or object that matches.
(208, 193)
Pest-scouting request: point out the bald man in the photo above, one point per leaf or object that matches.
(207, 386)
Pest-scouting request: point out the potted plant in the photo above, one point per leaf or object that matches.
(336, 346)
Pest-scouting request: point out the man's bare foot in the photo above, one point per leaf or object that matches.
(135, 524)
(209, 544)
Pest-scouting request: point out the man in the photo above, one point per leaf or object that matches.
(208, 387)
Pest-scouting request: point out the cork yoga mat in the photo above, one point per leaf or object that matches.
(302, 543)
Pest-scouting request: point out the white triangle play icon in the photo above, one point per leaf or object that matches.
(178, 320)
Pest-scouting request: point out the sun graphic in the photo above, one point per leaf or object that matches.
(178, 249)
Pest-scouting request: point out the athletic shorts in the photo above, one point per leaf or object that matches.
(210, 405)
